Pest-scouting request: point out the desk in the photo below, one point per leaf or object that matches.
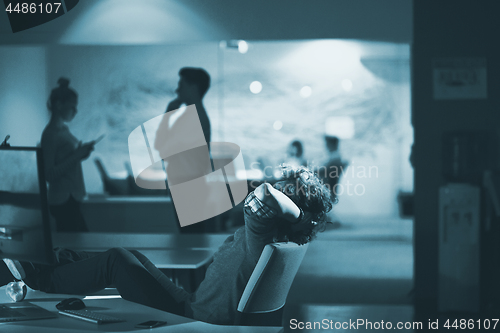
(138, 241)
(133, 313)
(153, 214)
(174, 262)
(170, 253)
(179, 258)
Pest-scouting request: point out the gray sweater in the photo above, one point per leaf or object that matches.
(217, 298)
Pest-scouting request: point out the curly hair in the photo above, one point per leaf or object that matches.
(311, 195)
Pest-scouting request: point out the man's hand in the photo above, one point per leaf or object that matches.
(174, 104)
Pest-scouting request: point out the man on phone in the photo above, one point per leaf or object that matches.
(192, 86)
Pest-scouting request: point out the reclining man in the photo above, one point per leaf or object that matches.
(293, 210)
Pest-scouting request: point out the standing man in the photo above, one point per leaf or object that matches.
(192, 86)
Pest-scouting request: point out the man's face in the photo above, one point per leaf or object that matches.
(185, 90)
(292, 151)
(181, 89)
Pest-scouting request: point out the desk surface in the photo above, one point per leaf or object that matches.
(126, 200)
(133, 313)
(106, 240)
(178, 258)
(165, 251)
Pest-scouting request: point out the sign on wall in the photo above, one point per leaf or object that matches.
(459, 78)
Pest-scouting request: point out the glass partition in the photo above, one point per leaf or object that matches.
(263, 96)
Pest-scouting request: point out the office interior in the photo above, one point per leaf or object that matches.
(284, 71)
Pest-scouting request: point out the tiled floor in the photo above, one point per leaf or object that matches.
(364, 318)
(364, 269)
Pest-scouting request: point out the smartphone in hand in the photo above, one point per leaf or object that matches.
(99, 139)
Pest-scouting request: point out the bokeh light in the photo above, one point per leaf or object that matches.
(278, 125)
(347, 85)
(255, 87)
(242, 46)
(306, 91)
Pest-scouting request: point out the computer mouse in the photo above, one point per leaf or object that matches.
(70, 304)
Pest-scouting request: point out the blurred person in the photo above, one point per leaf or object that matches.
(192, 86)
(334, 166)
(63, 154)
(332, 170)
(295, 153)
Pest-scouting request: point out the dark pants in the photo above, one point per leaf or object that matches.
(68, 216)
(135, 277)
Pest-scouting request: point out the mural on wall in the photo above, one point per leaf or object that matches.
(303, 86)
(121, 87)
(340, 85)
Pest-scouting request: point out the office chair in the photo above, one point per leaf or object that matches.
(264, 297)
(112, 186)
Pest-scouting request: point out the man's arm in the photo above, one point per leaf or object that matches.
(275, 199)
(174, 104)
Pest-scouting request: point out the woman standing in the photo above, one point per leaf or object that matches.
(295, 154)
(63, 154)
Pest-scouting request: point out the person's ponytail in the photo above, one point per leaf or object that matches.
(63, 83)
(61, 94)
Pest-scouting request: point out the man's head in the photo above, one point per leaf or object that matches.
(295, 149)
(193, 84)
(332, 143)
(308, 192)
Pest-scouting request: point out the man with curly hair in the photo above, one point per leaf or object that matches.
(293, 209)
